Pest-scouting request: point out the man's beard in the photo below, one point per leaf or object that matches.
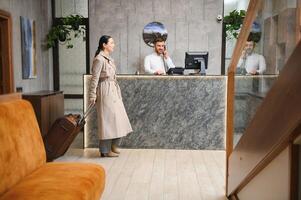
(159, 52)
(249, 51)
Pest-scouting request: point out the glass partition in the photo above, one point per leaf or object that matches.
(72, 66)
(64, 8)
(230, 6)
(270, 44)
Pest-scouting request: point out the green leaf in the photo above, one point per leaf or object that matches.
(233, 23)
(67, 25)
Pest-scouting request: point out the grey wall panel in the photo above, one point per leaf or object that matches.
(191, 25)
(40, 11)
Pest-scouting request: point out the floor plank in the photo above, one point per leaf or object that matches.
(158, 174)
(140, 181)
(157, 180)
(189, 187)
(202, 174)
(171, 190)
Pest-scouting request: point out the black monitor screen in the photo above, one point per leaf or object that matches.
(194, 60)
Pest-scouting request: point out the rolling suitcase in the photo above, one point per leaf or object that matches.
(62, 133)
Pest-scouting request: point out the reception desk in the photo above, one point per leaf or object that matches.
(174, 112)
(182, 112)
(249, 94)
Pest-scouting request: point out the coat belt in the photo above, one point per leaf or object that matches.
(112, 80)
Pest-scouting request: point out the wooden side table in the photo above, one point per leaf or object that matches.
(48, 106)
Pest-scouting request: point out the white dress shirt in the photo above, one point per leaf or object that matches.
(154, 62)
(253, 62)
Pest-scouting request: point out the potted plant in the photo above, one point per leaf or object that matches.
(62, 31)
(233, 23)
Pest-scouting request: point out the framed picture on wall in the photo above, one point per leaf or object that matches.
(28, 48)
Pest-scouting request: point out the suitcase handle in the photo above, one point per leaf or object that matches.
(86, 113)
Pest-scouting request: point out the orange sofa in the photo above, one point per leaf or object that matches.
(24, 173)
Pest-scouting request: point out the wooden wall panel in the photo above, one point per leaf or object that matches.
(6, 53)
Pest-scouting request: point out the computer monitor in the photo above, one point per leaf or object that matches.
(197, 60)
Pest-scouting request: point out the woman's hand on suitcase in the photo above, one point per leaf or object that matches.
(92, 101)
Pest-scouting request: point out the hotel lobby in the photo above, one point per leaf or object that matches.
(214, 112)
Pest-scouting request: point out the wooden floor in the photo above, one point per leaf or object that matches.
(159, 174)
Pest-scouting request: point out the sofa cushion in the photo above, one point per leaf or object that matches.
(22, 149)
(68, 181)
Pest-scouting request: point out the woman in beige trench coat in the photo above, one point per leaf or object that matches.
(104, 92)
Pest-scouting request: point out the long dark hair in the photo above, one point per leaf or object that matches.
(103, 40)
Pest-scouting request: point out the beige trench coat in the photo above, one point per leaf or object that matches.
(112, 119)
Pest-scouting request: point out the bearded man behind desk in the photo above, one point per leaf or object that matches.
(159, 61)
(251, 63)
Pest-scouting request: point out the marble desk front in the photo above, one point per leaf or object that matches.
(172, 112)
